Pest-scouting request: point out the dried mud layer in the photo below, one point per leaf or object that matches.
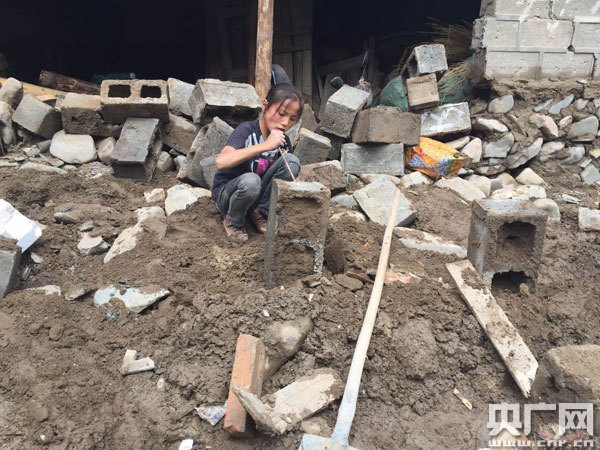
(60, 386)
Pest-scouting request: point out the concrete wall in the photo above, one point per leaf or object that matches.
(537, 39)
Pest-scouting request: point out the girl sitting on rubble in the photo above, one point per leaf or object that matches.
(252, 158)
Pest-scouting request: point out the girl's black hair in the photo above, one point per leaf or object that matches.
(282, 92)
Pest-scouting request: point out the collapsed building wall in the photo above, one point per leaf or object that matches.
(537, 39)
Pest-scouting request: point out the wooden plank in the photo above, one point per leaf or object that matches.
(514, 352)
(286, 39)
(264, 47)
(65, 83)
(35, 90)
(252, 16)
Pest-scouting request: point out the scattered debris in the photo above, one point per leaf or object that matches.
(134, 299)
(131, 365)
(283, 340)
(589, 219)
(466, 402)
(14, 225)
(423, 241)
(211, 413)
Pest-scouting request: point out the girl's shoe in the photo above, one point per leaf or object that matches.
(235, 234)
(259, 221)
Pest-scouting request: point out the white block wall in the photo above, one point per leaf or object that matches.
(538, 39)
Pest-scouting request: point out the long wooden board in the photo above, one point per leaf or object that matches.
(514, 352)
(35, 90)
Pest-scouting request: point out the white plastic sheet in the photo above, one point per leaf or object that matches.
(14, 225)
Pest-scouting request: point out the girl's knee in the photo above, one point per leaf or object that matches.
(250, 183)
(294, 163)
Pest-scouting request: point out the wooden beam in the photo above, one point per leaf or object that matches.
(514, 352)
(35, 90)
(68, 84)
(264, 47)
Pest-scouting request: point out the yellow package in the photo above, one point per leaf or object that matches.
(434, 158)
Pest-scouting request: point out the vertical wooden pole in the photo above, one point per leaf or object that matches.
(264, 47)
(252, 15)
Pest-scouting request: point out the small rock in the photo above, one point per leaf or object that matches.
(31, 152)
(283, 340)
(135, 299)
(565, 122)
(483, 183)
(352, 215)
(544, 105)
(42, 168)
(126, 241)
(75, 292)
(580, 104)
(550, 150)
(501, 105)
(87, 226)
(557, 107)
(459, 143)
(491, 125)
(550, 206)
(155, 196)
(179, 161)
(164, 162)
(37, 259)
(547, 126)
(570, 199)
(370, 177)
(467, 191)
(348, 282)
(473, 150)
(346, 200)
(415, 178)
(595, 153)
(73, 148)
(91, 245)
(180, 196)
(585, 162)
(490, 170)
(521, 157)
(528, 176)
(523, 192)
(574, 155)
(499, 148)
(105, 149)
(590, 174)
(587, 127)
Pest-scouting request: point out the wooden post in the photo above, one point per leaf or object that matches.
(264, 47)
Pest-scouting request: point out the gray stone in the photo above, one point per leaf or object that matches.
(42, 168)
(420, 240)
(521, 157)
(136, 150)
(11, 92)
(354, 216)
(574, 155)
(528, 176)
(283, 340)
(341, 110)
(232, 102)
(346, 200)
(580, 104)
(105, 148)
(376, 158)
(499, 148)
(585, 162)
(179, 161)
(370, 177)
(10, 257)
(490, 125)
(415, 178)
(550, 207)
(157, 195)
(134, 299)
(523, 192)
(44, 146)
(139, 99)
(328, 173)
(211, 139)
(179, 97)
(37, 117)
(565, 122)
(507, 180)
(181, 196)
(386, 125)
(501, 105)
(73, 148)
(81, 114)
(179, 133)
(465, 190)
(6, 113)
(126, 241)
(209, 169)
(587, 127)
(474, 150)
(164, 162)
(589, 219)
(311, 147)
(545, 123)
(296, 229)
(590, 174)
(425, 59)
(447, 119)
(490, 170)
(336, 145)
(376, 199)
(484, 184)
(557, 107)
(543, 106)
(459, 143)
(550, 150)
(89, 245)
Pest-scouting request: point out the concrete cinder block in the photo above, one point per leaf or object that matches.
(422, 92)
(179, 133)
(569, 9)
(376, 200)
(375, 158)
(525, 8)
(566, 65)
(179, 97)
(37, 117)
(447, 119)
(425, 59)
(506, 236)
(11, 92)
(81, 114)
(311, 147)
(10, 257)
(341, 110)
(211, 139)
(386, 125)
(492, 33)
(122, 99)
(328, 173)
(296, 231)
(137, 149)
(233, 102)
(586, 38)
(546, 35)
(509, 64)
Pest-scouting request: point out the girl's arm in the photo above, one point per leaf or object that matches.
(230, 157)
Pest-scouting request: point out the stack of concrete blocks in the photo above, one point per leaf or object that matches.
(537, 39)
(135, 153)
(10, 257)
(142, 99)
(506, 236)
(296, 231)
(37, 117)
(82, 114)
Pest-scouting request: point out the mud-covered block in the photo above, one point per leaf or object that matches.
(416, 348)
(137, 149)
(506, 236)
(296, 231)
(341, 110)
(233, 102)
(311, 147)
(426, 59)
(376, 201)
(10, 257)
(374, 158)
(422, 92)
(37, 117)
(179, 133)
(11, 92)
(179, 97)
(452, 118)
(211, 139)
(328, 173)
(81, 114)
(386, 125)
(122, 99)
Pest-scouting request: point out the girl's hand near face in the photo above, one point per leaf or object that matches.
(275, 140)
